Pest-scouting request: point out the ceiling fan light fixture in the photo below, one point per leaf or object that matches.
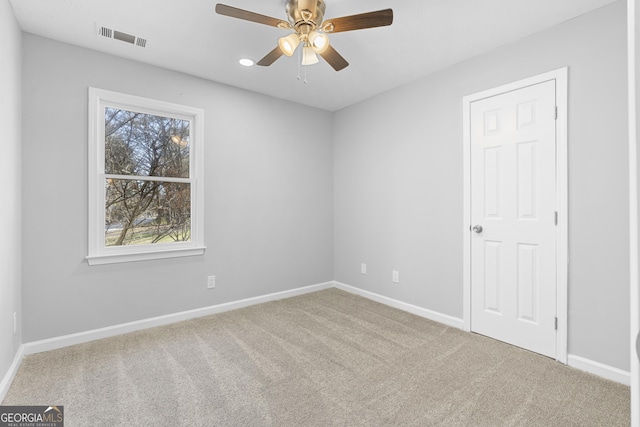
(306, 19)
(309, 56)
(318, 41)
(289, 43)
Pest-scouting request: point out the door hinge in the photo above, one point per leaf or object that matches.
(556, 323)
(556, 217)
(555, 113)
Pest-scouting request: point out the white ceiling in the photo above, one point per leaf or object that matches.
(188, 36)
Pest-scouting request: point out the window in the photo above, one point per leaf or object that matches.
(145, 179)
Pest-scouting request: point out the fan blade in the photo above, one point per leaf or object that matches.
(234, 12)
(334, 58)
(361, 21)
(271, 57)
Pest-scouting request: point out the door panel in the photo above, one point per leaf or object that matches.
(527, 282)
(527, 179)
(492, 276)
(492, 184)
(513, 192)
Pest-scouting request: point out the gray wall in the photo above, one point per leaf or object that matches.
(268, 224)
(398, 180)
(10, 177)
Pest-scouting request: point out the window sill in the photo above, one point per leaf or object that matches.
(144, 256)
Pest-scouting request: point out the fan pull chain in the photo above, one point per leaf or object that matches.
(304, 80)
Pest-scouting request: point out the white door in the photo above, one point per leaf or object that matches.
(513, 194)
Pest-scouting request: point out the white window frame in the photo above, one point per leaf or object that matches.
(98, 253)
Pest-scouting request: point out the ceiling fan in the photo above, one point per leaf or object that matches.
(305, 18)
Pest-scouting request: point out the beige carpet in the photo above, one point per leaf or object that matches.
(323, 359)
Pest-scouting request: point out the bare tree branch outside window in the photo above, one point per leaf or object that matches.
(146, 156)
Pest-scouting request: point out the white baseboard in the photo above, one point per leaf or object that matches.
(110, 331)
(578, 362)
(11, 373)
(414, 309)
(600, 369)
(596, 368)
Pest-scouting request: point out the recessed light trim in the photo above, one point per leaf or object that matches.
(246, 62)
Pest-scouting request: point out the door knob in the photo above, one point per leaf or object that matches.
(477, 228)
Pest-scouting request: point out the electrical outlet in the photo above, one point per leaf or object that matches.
(363, 268)
(15, 322)
(396, 277)
(211, 282)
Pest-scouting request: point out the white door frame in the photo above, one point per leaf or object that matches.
(562, 256)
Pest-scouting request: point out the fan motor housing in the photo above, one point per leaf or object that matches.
(296, 10)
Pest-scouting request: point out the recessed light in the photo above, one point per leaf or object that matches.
(246, 62)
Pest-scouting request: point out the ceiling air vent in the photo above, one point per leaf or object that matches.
(105, 32)
(119, 35)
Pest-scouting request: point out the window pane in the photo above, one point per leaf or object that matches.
(145, 145)
(139, 212)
